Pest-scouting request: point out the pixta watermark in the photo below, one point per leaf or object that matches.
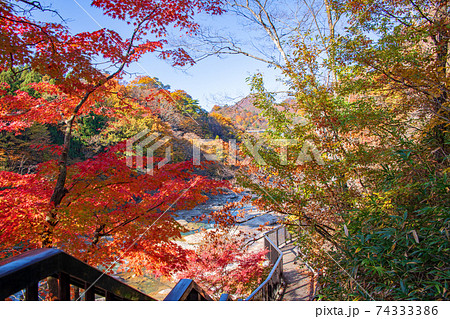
(212, 150)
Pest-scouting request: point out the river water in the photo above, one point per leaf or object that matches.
(253, 218)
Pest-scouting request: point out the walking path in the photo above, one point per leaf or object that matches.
(298, 278)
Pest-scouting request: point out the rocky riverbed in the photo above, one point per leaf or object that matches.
(253, 218)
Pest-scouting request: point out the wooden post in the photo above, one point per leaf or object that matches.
(31, 292)
(278, 244)
(76, 294)
(89, 294)
(109, 296)
(63, 287)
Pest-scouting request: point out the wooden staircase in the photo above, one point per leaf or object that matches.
(27, 270)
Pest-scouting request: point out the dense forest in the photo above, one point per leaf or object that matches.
(354, 155)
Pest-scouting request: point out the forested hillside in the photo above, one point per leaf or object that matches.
(365, 179)
(246, 115)
(171, 114)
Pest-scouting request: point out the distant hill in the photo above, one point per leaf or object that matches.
(245, 116)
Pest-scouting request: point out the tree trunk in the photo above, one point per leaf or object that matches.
(332, 53)
(441, 40)
(60, 190)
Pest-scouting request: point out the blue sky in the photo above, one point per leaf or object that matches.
(212, 81)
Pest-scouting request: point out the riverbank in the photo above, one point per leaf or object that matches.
(250, 223)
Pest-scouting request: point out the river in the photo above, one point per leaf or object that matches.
(159, 287)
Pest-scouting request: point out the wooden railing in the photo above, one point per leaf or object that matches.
(271, 287)
(187, 290)
(25, 271)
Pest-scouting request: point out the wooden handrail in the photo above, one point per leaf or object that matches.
(187, 290)
(26, 270)
(275, 268)
(268, 288)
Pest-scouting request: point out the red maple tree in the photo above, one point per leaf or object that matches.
(99, 209)
(224, 261)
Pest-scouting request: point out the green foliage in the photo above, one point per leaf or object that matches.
(90, 126)
(20, 79)
(57, 138)
(398, 238)
(189, 106)
(374, 216)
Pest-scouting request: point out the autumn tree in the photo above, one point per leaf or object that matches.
(223, 261)
(369, 197)
(410, 57)
(187, 104)
(98, 202)
(401, 77)
(110, 213)
(366, 139)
